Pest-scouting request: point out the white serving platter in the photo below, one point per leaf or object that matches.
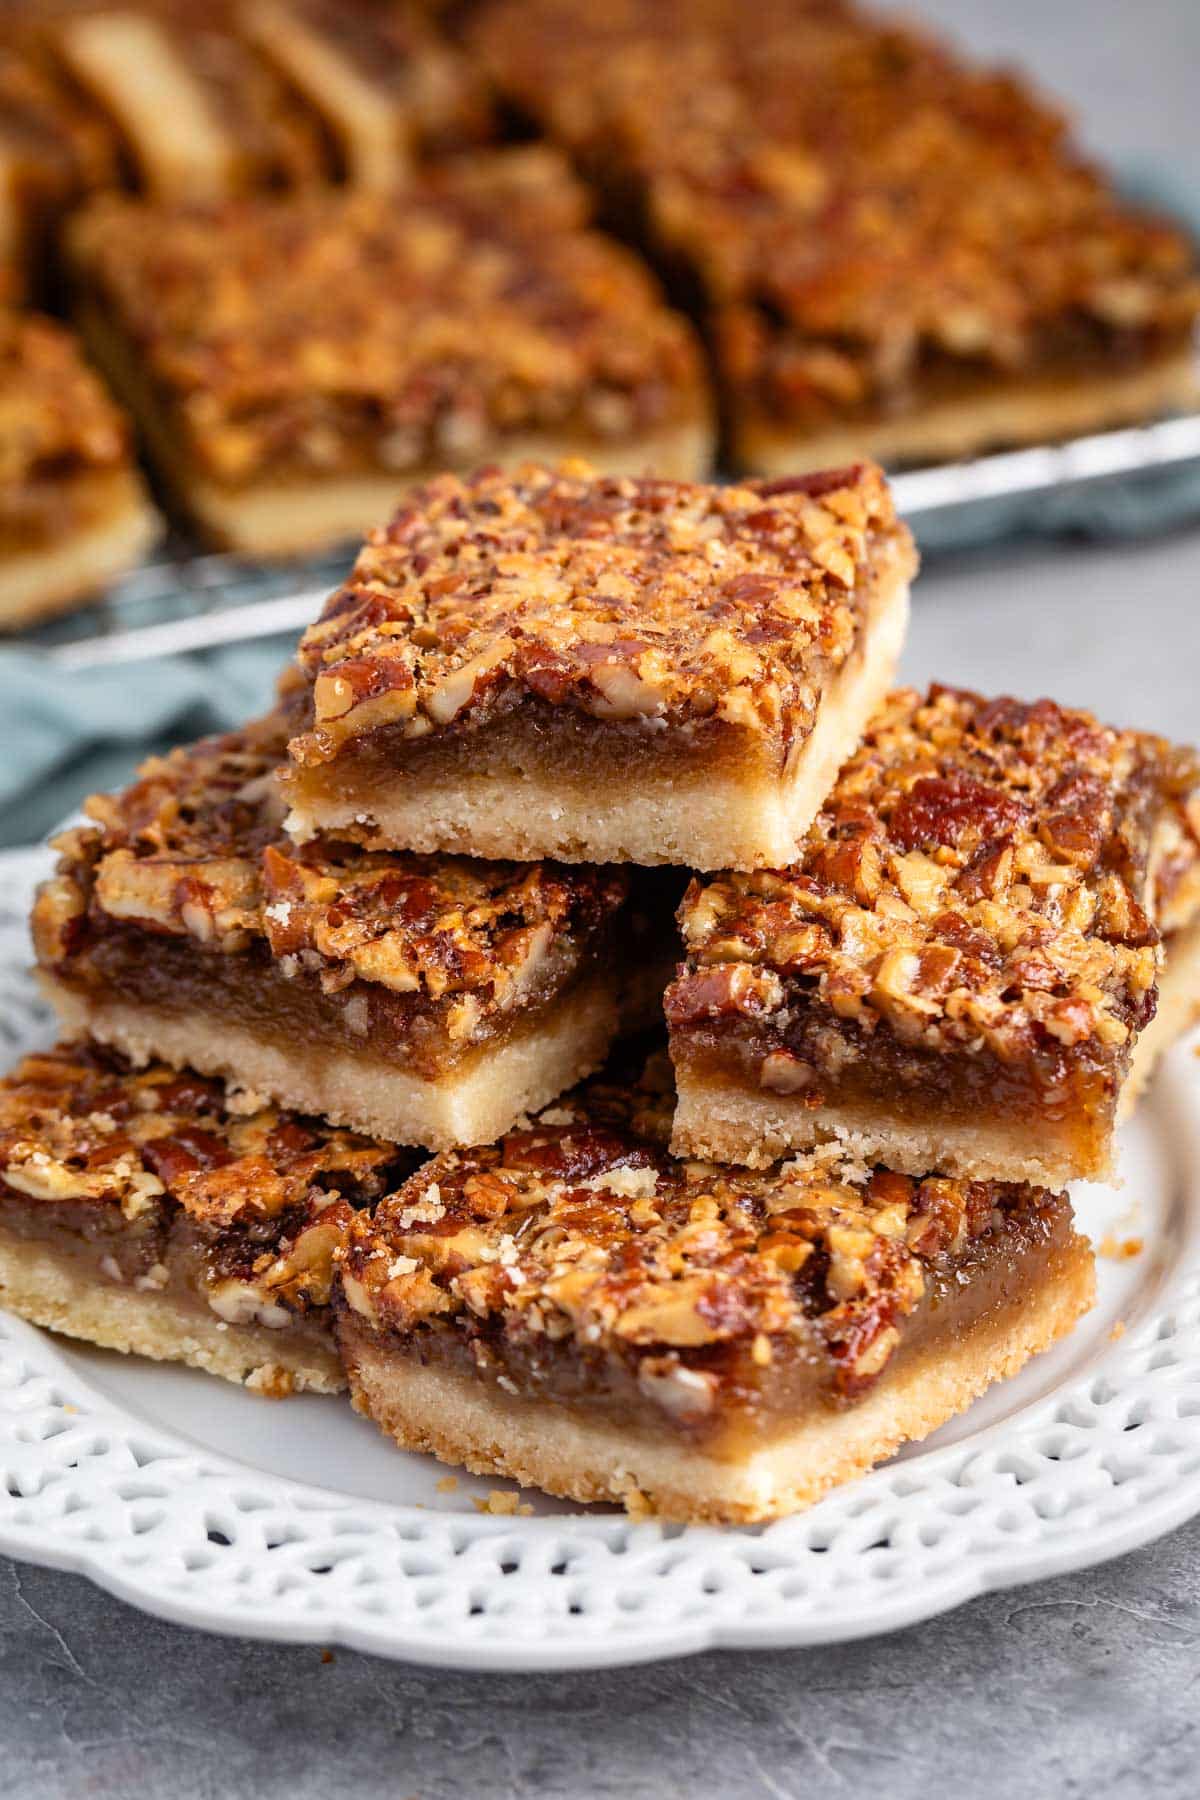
(296, 1522)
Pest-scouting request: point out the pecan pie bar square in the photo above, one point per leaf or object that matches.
(574, 1308)
(345, 344)
(955, 969)
(429, 1000)
(151, 1211)
(598, 668)
(73, 509)
(895, 252)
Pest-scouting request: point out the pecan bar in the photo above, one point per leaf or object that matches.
(151, 1212)
(197, 113)
(954, 971)
(343, 345)
(574, 1308)
(73, 509)
(599, 668)
(428, 1000)
(895, 253)
(383, 84)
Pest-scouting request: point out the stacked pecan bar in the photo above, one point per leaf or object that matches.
(426, 999)
(959, 964)
(926, 979)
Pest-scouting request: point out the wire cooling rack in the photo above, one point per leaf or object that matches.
(1118, 479)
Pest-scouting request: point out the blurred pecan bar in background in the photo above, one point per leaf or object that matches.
(386, 88)
(598, 668)
(573, 1308)
(955, 970)
(896, 254)
(196, 112)
(73, 510)
(429, 1000)
(337, 347)
(150, 1212)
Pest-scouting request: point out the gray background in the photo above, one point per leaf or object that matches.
(1082, 1686)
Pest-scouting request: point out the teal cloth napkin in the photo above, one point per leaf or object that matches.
(65, 734)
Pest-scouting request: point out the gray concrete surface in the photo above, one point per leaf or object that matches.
(1081, 1686)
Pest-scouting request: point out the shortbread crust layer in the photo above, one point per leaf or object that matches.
(471, 1103)
(955, 970)
(622, 670)
(573, 1308)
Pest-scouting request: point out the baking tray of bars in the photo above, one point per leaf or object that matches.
(1113, 483)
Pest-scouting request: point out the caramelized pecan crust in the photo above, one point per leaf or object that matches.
(268, 1195)
(195, 850)
(342, 331)
(657, 601)
(982, 876)
(581, 1237)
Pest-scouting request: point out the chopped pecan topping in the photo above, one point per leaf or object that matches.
(195, 848)
(582, 1229)
(983, 873)
(385, 332)
(647, 600)
(866, 214)
(269, 1195)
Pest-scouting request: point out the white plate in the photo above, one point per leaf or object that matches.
(207, 1505)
